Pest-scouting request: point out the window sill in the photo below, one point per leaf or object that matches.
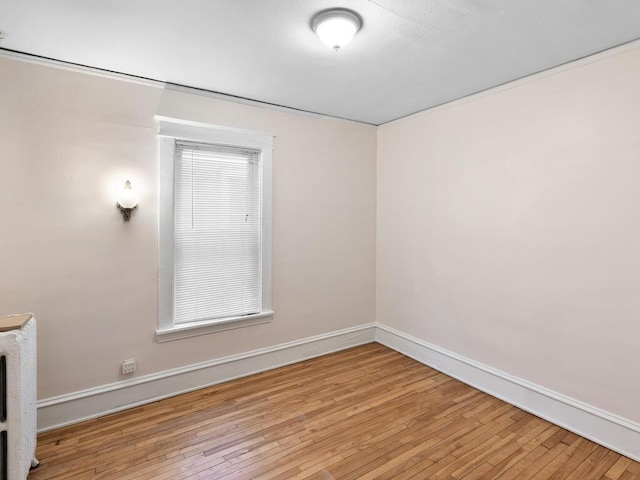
(204, 328)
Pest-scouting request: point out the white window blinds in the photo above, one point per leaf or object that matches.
(217, 232)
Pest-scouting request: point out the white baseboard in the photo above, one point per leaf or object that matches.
(95, 402)
(617, 433)
(614, 432)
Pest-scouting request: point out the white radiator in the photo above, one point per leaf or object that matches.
(18, 420)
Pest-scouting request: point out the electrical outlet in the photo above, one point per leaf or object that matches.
(129, 366)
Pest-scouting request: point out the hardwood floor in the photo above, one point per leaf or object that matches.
(364, 413)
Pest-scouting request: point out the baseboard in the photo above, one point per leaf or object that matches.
(75, 407)
(614, 432)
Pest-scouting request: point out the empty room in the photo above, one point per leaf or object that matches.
(312, 239)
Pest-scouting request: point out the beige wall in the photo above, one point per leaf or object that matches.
(509, 229)
(68, 138)
(507, 226)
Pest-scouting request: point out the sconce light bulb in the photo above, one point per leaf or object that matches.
(128, 197)
(128, 201)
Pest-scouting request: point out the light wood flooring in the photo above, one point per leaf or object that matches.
(364, 413)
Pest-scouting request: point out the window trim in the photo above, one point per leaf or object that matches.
(170, 130)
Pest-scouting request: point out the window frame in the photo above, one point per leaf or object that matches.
(171, 130)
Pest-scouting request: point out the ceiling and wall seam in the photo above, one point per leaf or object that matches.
(112, 74)
(573, 64)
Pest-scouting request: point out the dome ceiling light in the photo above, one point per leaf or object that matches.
(336, 27)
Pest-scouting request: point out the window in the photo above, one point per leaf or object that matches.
(215, 229)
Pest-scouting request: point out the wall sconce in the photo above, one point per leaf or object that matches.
(127, 201)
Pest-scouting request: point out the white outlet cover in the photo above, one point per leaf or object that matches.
(128, 367)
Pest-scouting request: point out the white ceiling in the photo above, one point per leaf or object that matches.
(408, 56)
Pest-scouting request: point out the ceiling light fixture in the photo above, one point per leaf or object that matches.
(336, 27)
